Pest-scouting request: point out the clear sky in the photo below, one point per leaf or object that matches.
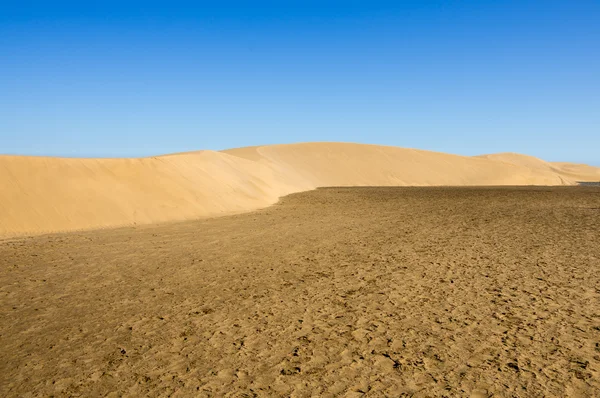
(119, 78)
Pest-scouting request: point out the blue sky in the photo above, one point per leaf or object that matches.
(142, 78)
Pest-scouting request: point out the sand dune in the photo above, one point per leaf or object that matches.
(577, 172)
(530, 162)
(43, 194)
(580, 172)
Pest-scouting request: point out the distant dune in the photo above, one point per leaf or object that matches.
(44, 194)
(576, 172)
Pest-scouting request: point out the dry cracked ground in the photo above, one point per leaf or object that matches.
(424, 292)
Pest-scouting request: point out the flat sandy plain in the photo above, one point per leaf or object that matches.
(352, 292)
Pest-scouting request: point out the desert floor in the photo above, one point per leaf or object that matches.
(336, 292)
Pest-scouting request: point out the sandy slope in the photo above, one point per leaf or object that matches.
(581, 172)
(41, 194)
(577, 172)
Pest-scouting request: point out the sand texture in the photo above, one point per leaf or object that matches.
(351, 292)
(42, 195)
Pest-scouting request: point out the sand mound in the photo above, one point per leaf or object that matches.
(530, 162)
(578, 172)
(42, 194)
(571, 171)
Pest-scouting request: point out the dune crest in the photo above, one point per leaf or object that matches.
(43, 194)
